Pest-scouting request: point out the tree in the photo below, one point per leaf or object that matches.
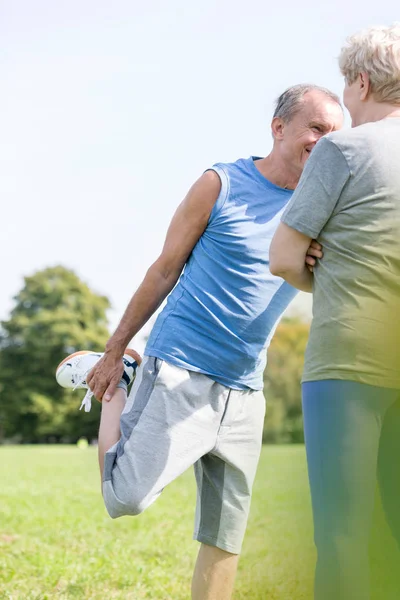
(54, 315)
(284, 423)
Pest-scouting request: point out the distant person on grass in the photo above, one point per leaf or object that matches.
(197, 398)
(349, 199)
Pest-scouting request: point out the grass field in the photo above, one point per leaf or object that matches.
(56, 540)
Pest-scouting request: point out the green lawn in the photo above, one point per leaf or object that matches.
(56, 540)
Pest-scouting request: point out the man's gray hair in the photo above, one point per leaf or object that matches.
(291, 101)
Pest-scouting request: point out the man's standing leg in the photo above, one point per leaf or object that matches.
(225, 479)
(214, 574)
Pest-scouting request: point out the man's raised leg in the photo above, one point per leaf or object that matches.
(74, 372)
(110, 428)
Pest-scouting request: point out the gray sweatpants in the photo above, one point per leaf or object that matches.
(174, 419)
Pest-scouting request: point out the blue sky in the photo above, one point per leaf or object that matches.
(110, 111)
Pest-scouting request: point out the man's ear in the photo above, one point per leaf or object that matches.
(365, 85)
(277, 127)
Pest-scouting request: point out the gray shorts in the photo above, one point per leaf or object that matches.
(173, 419)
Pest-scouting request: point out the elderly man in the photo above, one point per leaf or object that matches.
(349, 198)
(197, 397)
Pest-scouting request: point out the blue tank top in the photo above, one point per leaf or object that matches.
(221, 315)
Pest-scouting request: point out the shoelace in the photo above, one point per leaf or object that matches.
(87, 400)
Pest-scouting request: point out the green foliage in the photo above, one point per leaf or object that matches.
(54, 315)
(284, 423)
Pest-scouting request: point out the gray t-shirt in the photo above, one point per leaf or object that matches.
(349, 199)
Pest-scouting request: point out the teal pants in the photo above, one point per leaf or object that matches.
(352, 436)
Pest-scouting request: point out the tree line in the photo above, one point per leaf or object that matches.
(56, 313)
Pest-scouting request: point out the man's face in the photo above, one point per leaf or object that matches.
(318, 116)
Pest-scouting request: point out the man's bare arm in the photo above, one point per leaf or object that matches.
(186, 227)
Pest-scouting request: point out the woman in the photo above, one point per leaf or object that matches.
(349, 199)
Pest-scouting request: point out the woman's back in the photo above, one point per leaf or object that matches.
(355, 332)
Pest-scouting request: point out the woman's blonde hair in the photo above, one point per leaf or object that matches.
(375, 51)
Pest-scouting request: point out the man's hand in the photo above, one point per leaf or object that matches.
(314, 251)
(105, 376)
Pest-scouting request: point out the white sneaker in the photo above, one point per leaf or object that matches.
(73, 370)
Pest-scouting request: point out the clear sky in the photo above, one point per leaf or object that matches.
(110, 110)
